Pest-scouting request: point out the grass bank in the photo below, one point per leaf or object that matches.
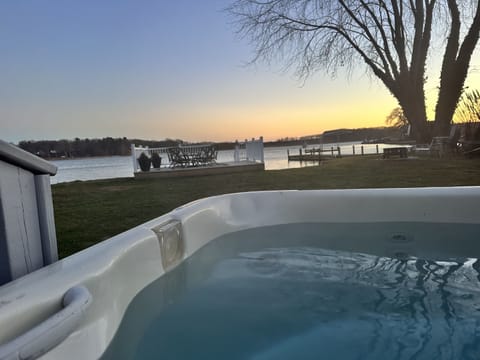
(92, 211)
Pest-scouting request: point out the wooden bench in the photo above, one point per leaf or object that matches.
(400, 151)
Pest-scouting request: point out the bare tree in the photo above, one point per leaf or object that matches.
(397, 118)
(391, 37)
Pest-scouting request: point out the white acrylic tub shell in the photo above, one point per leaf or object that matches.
(114, 271)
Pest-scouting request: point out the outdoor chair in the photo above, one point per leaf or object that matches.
(204, 156)
(177, 158)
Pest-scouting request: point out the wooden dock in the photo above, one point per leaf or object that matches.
(313, 154)
(319, 154)
(214, 169)
(305, 157)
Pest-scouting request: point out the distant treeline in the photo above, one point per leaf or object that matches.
(88, 147)
(77, 148)
(377, 134)
(374, 134)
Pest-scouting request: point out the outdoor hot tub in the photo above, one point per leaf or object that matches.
(334, 274)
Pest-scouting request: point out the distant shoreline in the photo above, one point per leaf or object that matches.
(83, 157)
(108, 146)
(269, 145)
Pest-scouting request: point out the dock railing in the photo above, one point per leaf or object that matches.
(316, 154)
(136, 151)
(250, 150)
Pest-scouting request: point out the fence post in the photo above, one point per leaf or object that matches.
(262, 155)
(377, 148)
(134, 158)
(236, 153)
(361, 149)
(353, 149)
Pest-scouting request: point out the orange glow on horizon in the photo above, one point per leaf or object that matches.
(272, 123)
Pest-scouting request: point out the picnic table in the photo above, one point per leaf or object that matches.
(393, 151)
(192, 156)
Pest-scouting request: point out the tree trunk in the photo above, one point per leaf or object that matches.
(450, 91)
(416, 117)
(456, 62)
(411, 98)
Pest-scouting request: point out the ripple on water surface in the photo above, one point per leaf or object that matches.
(246, 301)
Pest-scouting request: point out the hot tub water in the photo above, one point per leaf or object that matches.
(314, 291)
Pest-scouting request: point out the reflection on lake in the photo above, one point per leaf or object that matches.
(121, 166)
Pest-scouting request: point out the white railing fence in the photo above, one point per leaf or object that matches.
(137, 151)
(250, 150)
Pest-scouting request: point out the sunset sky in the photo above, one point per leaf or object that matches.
(157, 69)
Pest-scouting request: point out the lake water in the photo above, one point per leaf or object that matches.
(121, 166)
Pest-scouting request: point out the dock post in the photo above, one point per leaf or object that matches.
(288, 154)
(338, 150)
(236, 152)
(377, 148)
(361, 149)
(332, 150)
(134, 158)
(353, 149)
(262, 154)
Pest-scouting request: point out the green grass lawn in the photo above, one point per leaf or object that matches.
(89, 212)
